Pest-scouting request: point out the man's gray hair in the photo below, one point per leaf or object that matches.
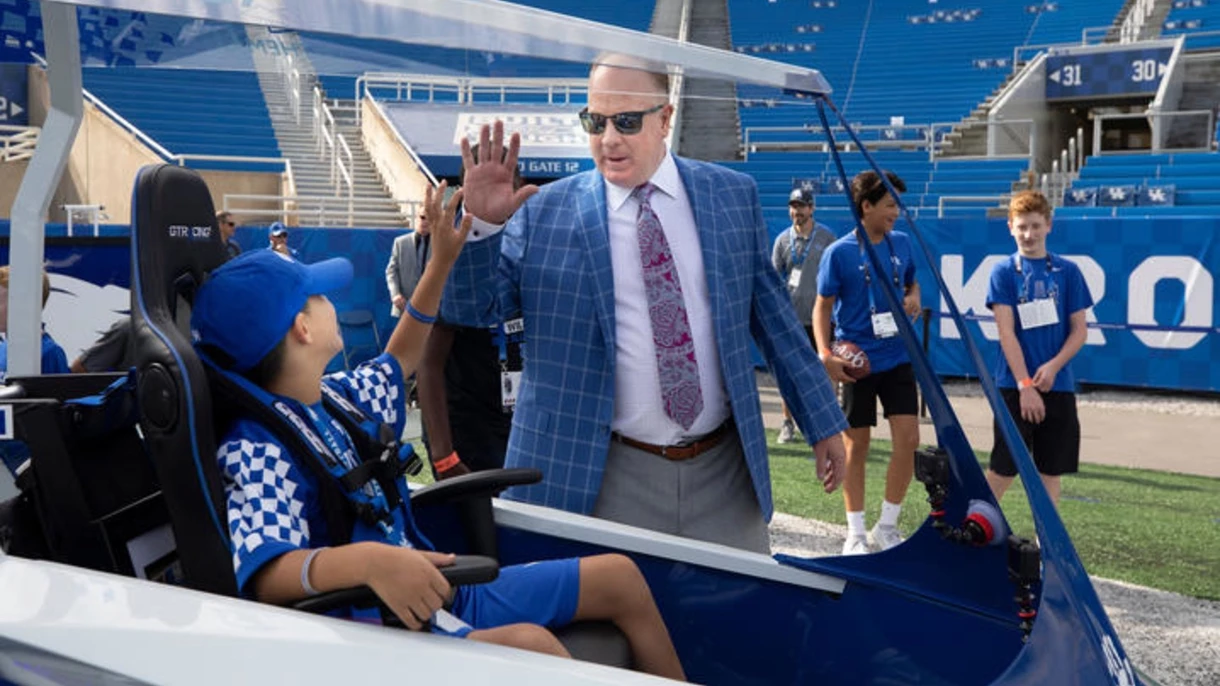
(658, 71)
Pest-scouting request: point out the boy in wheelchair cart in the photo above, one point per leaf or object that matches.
(264, 320)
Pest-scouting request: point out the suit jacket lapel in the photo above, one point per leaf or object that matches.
(703, 205)
(595, 232)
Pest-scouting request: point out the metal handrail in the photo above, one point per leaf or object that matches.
(321, 206)
(128, 126)
(945, 199)
(558, 91)
(677, 82)
(20, 144)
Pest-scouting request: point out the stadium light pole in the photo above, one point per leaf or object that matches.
(38, 187)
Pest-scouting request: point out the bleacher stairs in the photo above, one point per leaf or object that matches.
(969, 137)
(711, 127)
(311, 171)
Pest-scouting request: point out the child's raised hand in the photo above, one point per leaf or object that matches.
(447, 240)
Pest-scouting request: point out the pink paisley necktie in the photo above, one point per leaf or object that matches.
(671, 335)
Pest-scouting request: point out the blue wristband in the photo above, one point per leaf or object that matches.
(419, 316)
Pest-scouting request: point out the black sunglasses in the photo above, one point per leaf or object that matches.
(626, 123)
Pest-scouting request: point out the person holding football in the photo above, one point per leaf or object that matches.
(868, 356)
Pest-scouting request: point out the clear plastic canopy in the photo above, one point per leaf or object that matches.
(198, 33)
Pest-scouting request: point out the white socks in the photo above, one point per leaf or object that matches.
(889, 513)
(889, 517)
(855, 523)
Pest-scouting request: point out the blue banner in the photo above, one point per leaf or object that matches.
(1155, 323)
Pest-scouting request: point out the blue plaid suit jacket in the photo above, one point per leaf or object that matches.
(553, 268)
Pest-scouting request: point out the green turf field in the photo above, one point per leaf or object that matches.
(1141, 526)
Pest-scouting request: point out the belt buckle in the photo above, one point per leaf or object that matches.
(665, 451)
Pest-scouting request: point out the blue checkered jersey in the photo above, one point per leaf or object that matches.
(1050, 277)
(273, 500)
(841, 275)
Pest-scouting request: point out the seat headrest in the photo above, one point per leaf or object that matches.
(175, 241)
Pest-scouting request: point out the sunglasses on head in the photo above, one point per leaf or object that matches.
(626, 123)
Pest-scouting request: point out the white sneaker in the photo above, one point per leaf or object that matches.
(787, 432)
(856, 544)
(885, 537)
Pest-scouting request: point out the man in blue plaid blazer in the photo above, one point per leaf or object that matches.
(589, 413)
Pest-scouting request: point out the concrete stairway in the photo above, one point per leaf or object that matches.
(323, 198)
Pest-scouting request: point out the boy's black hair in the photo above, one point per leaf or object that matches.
(867, 187)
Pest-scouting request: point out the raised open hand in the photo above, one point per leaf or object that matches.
(488, 181)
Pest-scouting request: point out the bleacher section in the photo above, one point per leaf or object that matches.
(910, 60)
(191, 112)
(1145, 185)
(888, 60)
(778, 173)
(1194, 19)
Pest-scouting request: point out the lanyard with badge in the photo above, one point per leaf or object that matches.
(1040, 310)
(798, 259)
(884, 325)
(510, 381)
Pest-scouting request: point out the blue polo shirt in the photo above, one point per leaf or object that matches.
(54, 361)
(1051, 276)
(841, 275)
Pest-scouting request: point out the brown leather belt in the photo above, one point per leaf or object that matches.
(678, 453)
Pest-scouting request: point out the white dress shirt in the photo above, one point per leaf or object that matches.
(638, 410)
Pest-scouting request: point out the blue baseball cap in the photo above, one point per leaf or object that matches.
(278, 229)
(247, 305)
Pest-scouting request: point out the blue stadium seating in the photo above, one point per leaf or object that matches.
(940, 51)
(1194, 178)
(926, 63)
(191, 112)
(1194, 17)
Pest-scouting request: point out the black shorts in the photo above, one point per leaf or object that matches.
(1055, 443)
(895, 387)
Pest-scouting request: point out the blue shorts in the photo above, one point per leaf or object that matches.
(543, 593)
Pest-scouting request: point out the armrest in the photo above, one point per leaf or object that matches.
(485, 484)
(465, 571)
(12, 391)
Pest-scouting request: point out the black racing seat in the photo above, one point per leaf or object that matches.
(175, 244)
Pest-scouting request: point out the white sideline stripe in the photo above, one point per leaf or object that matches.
(561, 524)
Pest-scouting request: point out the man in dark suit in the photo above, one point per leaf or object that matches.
(641, 285)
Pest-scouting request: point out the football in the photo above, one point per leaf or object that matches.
(857, 362)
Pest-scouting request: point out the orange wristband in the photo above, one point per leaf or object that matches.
(1026, 383)
(447, 463)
